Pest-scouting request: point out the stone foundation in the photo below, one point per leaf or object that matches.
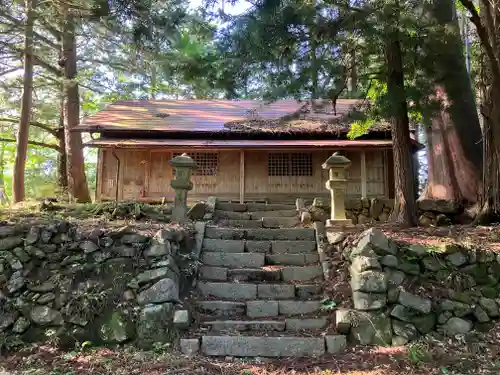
(366, 211)
(64, 282)
(401, 291)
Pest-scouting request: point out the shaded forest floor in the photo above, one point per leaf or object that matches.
(475, 353)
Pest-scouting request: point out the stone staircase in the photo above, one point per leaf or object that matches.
(259, 289)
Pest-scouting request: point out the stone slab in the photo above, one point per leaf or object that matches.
(222, 308)
(292, 247)
(253, 274)
(190, 347)
(274, 213)
(276, 291)
(305, 324)
(304, 273)
(224, 233)
(280, 213)
(222, 214)
(298, 307)
(227, 206)
(335, 343)
(213, 273)
(241, 223)
(246, 325)
(225, 246)
(292, 259)
(305, 292)
(290, 234)
(228, 290)
(233, 260)
(279, 207)
(262, 309)
(280, 222)
(252, 346)
(258, 246)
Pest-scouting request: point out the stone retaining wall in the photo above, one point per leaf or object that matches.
(366, 211)
(60, 281)
(401, 292)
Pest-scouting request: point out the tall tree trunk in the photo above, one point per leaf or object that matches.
(487, 30)
(18, 191)
(77, 181)
(454, 135)
(62, 165)
(405, 210)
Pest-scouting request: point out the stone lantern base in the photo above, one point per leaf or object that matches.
(339, 223)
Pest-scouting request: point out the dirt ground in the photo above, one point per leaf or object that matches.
(475, 353)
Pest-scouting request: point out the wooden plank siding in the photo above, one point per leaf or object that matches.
(146, 175)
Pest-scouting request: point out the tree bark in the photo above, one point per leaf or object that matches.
(77, 181)
(62, 165)
(405, 210)
(490, 107)
(18, 191)
(454, 138)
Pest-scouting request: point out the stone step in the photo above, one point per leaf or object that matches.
(298, 307)
(241, 223)
(292, 259)
(258, 246)
(280, 222)
(213, 273)
(235, 291)
(253, 274)
(226, 246)
(299, 324)
(302, 273)
(233, 260)
(225, 233)
(221, 308)
(225, 206)
(282, 213)
(255, 207)
(245, 325)
(308, 291)
(287, 234)
(262, 346)
(275, 247)
(221, 214)
(275, 291)
(262, 308)
(292, 247)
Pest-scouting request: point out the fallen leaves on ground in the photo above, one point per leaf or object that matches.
(477, 354)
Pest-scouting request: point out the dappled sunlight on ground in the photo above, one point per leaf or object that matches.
(476, 354)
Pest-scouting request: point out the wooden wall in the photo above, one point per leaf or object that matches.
(146, 174)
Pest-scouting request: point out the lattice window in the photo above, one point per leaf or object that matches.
(278, 164)
(302, 164)
(289, 164)
(207, 162)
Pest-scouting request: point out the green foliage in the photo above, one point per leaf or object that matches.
(359, 128)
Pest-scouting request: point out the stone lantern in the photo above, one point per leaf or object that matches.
(337, 183)
(183, 169)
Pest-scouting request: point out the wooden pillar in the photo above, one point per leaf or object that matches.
(242, 176)
(363, 174)
(99, 177)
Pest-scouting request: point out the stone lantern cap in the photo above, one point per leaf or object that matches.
(336, 160)
(183, 160)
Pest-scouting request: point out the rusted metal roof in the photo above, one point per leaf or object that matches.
(231, 143)
(213, 116)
